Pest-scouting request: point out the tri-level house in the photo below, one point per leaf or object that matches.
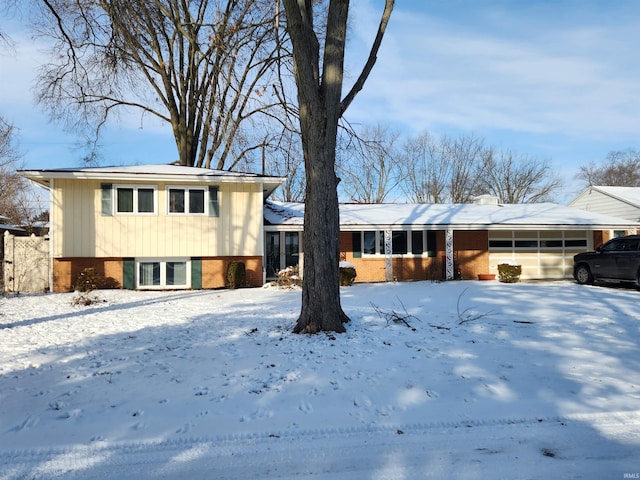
(155, 226)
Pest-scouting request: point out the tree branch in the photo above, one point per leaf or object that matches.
(373, 55)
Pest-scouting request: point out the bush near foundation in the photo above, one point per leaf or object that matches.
(289, 277)
(347, 274)
(89, 280)
(509, 273)
(236, 275)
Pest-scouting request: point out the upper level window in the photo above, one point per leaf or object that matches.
(136, 199)
(193, 201)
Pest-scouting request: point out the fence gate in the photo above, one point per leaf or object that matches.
(26, 263)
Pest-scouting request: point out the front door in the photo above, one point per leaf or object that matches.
(291, 249)
(282, 249)
(272, 251)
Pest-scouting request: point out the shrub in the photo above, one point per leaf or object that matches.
(89, 280)
(289, 277)
(347, 274)
(236, 275)
(509, 273)
(84, 299)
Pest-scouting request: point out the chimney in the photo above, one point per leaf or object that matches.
(485, 200)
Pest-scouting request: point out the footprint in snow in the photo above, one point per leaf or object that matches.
(362, 402)
(186, 428)
(259, 414)
(305, 407)
(432, 394)
(27, 423)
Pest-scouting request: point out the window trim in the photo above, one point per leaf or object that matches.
(187, 191)
(427, 249)
(163, 273)
(135, 188)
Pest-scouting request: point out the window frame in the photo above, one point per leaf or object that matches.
(136, 204)
(427, 249)
(187, 200)
(162, 262)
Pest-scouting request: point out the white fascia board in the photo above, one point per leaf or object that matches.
(490, 227)
(44, 178)
(283, 228)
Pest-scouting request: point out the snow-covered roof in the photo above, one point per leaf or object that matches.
(457, 216)
(630, 195)
(167, 172)
(10, 228)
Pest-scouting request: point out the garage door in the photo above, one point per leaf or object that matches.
(542, 254)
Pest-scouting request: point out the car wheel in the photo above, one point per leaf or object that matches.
(583, 275)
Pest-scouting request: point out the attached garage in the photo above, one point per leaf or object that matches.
(542, 254)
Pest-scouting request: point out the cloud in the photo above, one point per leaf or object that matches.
(538, 70)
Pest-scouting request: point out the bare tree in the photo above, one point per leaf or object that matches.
(17, 199)
(7, 9)
(367, 164)
(518, 178)
(319, 80)
(440, 170)
(11, 184)
(424, 169)
(466, 154)
(282, 158)
(206, 67)
(621, 168)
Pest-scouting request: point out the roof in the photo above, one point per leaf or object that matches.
(10, 228)
(167, 172)
(630, 195)
(456, 216)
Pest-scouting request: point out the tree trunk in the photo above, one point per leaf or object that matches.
(321, 309)
(320, 108)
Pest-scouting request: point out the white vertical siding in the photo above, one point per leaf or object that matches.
(80, 230)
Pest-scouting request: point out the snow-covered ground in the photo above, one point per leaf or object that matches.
(469, 380)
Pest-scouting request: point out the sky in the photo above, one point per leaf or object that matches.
(556, 80)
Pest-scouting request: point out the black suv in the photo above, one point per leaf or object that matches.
(618, 260)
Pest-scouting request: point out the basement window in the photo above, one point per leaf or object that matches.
(159, 274)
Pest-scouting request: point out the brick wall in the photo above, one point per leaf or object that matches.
(214, 271)
(406, 268)
(471, 256)
(471, 250)
(67, 270)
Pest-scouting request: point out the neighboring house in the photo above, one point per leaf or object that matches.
(438, 241)
(623, 202)
(4, 227)
(155, 226)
